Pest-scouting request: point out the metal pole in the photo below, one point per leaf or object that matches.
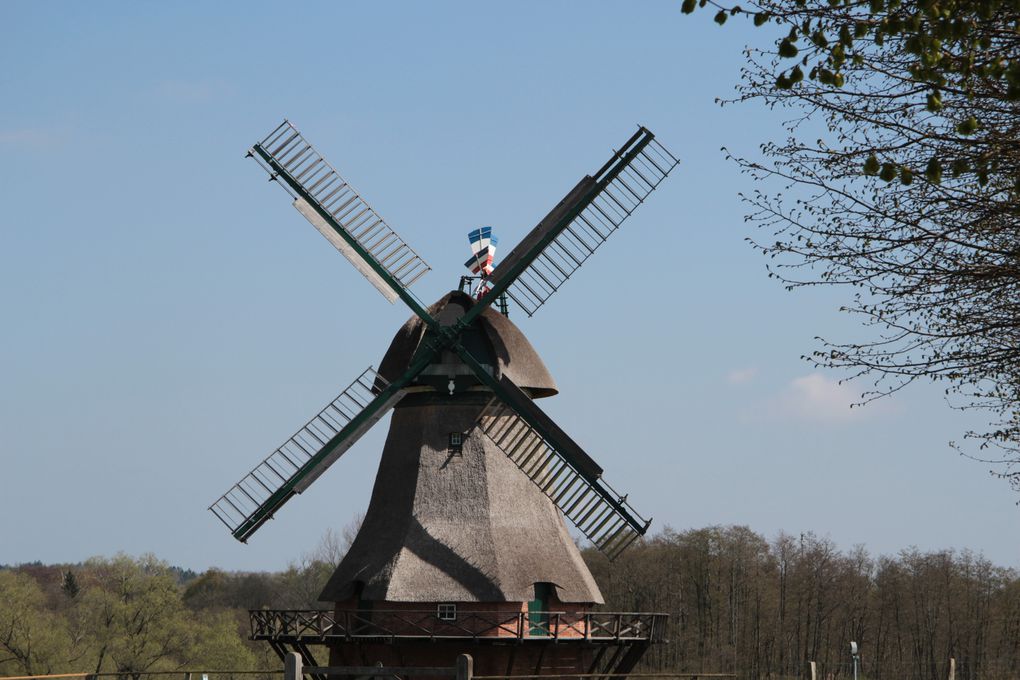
(465, 667)
(292, 666)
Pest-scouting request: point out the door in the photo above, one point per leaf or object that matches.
(538, 611)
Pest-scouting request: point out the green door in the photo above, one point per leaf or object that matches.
(538, 611)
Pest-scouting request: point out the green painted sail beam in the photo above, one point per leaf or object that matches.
(564, 446)
(377, 268)
(297, 482)
(560, 218)
(575, 201)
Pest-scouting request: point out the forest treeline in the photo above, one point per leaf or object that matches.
(740, 603)
(737, 602)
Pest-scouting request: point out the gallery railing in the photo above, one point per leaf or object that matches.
(283, 625)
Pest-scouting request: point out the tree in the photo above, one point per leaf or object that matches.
(136, 621)
(904, 160)
(739, 603)
(334, 545)
(32, 639)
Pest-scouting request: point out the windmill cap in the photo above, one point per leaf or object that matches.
(509, 351)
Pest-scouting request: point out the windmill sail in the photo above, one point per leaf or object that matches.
(581, 222)
(333, 207)
(559, 467)
(292, 467)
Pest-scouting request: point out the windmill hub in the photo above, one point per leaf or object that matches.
(494, 341)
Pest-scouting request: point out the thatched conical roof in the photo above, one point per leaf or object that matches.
(512, 353)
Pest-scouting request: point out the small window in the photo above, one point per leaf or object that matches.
(456, 442)
(446, 612)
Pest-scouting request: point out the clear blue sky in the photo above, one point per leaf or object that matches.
(168, 318)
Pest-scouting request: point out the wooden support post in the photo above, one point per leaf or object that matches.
(952, 668)
(465, 667)
(814, 670)
(292, 666)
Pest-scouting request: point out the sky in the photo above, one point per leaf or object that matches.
(168, 319)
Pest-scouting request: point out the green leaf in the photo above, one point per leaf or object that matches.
(787, 49)
(888, 172)
(721, 17)
(906, 176)
(871, 165)
(688, 6)
(968, 127)
(760, 18)
(933, 172)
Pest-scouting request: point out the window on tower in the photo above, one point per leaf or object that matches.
(446, 611)
(456, 442)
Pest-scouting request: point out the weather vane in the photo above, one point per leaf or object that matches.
(483, 252)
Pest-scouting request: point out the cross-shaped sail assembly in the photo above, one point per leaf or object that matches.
(535, 269)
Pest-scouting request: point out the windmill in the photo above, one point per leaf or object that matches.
(475, 479)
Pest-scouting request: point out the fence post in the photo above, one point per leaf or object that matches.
(814, 670)
(952, 668)
(465, 667)
(292, 666)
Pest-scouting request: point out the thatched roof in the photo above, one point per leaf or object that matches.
(510, 352)
(443, 527)
(467, 527)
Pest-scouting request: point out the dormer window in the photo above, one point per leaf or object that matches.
(446, 611)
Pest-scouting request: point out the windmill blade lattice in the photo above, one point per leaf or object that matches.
(320, 192)
(561, 243)
(292, 467)
(603, 516)
(567, 475)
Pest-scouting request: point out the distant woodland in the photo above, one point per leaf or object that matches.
(738, 602)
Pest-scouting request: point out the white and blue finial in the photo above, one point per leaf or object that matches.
(483, 252)
(483, 249)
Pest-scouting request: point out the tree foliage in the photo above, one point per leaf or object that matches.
(898, 178)
(33, 639)
(759, 608)
(124, 615)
